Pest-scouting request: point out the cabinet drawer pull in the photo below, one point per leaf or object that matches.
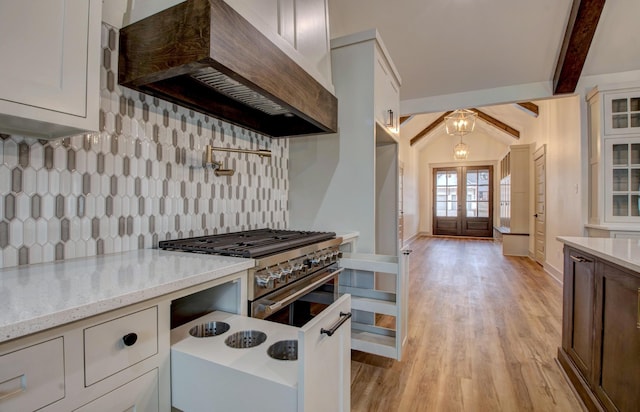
(13, 387)
(343, 318)
(579, 259)
(130, 339)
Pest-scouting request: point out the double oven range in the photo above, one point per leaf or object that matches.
(295, 275)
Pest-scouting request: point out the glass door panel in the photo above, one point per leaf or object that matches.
(462, 201)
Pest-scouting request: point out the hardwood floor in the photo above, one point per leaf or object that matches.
(483, 334)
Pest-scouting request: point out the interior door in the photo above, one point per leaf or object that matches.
(540, 201)
(463, 201)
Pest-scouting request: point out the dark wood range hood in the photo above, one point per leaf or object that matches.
(203, 55)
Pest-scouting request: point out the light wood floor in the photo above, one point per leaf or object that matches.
(483, 334)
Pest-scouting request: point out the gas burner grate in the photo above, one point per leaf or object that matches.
(249, 244)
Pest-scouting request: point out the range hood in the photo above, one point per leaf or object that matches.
(203, 55)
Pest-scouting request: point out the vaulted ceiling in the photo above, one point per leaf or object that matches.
(448, 50)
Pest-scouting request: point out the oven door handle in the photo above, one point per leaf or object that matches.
(302, 291)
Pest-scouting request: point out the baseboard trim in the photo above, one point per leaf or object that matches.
(553, 272)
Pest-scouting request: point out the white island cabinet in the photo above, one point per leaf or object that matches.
(49, 79)
(93, 334)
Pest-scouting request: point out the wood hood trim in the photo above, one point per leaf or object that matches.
(159, 54)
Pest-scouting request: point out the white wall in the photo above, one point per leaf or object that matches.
(558, 126)
(409, 162)
(438, 152)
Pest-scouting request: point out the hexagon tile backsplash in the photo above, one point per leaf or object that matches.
(141, 179)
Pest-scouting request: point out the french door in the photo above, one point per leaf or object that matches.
(463, 201)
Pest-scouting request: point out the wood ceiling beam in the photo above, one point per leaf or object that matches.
(498, 124)
(482, 115)
(530, 108)
(581, 27)
(404, 119)
(415, 139)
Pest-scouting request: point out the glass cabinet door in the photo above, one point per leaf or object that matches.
(622, 113)
(623, 180)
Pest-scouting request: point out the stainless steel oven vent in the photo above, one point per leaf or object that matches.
(238, 91)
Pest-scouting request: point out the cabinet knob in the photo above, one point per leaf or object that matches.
(130, 339)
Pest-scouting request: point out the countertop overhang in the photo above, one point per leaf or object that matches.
(37, 297)
(623, 252)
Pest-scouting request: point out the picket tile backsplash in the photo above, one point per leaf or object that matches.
(141, 179)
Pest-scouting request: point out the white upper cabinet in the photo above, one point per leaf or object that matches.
(387, 92)
(622, 112)
(49, 81)
(614, 161)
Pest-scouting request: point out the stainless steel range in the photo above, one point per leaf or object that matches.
(295, 271)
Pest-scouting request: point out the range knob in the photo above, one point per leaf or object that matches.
(312, 262)
(276, 275)
(287, 272)
(263, 281)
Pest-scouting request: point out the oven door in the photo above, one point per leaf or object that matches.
(299, 302)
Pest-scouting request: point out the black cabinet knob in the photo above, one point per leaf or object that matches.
(129, 339)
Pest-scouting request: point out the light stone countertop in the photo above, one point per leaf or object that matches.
(623, 252)
(42, 296)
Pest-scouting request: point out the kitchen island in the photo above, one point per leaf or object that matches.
(600, 350)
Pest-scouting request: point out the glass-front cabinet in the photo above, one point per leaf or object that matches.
(614, 162)
(623, 179)
(622, 113)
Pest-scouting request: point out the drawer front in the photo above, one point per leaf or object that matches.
(33, 377)
(106, 351)
(139, 395)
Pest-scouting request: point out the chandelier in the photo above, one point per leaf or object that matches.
(460, 151)
(459, 123)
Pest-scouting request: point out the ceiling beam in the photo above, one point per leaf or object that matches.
(498, 124)
(581, 27)
(404, 119)
(482, 115)
(530, 108)
(415, 139)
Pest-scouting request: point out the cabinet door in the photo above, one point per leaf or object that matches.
(622, 113)
(577, 334)
(312, 33)
(617, 344)
(48, 48)
(139, 395)
(324, 371)
(622, 179)
(387, 95)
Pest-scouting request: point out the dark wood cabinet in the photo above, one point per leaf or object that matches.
(578, 307)
(617, 343)
(601, 332)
